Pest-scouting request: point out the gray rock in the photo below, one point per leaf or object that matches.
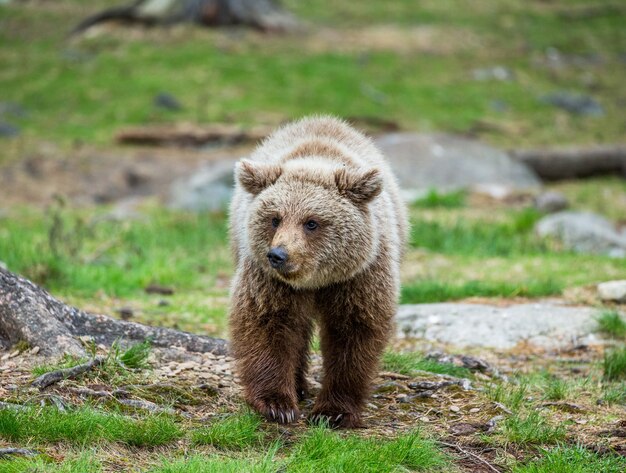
(550, 202)
(8, 131)
(547, 324)
(574, 103)
(209, 189)
(167, 102)
(12, 109)
(583, 232)
(447, 163)
(613, 291)
(493, 73)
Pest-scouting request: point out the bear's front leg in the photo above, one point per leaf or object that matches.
(355, 325)
(268, 335)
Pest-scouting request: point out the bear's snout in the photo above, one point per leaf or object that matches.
(278, 257)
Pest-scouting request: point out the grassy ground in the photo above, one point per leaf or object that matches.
(555, 410)
(466, 250)
(418, 70)
(415, 66)
(539, 413)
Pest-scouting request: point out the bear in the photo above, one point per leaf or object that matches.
(317, 228)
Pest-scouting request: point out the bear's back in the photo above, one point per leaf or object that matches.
(320, 136)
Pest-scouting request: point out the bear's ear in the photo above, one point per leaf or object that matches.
(360, 188)
(254, 177)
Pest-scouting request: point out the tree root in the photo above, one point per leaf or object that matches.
(30, 314)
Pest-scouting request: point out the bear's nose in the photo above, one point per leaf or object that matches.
(277, 256)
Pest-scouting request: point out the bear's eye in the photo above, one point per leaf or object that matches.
(275, 222)
(311, 225)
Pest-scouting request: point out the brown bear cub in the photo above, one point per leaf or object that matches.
(318, 229)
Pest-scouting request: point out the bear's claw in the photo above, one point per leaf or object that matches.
(277, 412)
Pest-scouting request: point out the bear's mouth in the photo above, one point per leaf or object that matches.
(288, 271)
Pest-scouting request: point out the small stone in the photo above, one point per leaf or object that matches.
(574, 103)
(5, 357)
(167, 102)
(34, 350)
(8, 131)
(424, 419)
(550, 202)
(583, 232)
(125, 313)
(187, 365)
(500, 73)
(474, 410)
(614, 291)
(455, 408)
(158, 289)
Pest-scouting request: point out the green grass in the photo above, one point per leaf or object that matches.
(118, 366)
(434, 200)
(83, 254)
(511, 396)
(136, 356)
(611, 323)
(434, 291)
(84, 463)
(322, 450)
(615, 393)
(532, 429)
(614, 363)
(87, 426)
(556, 389)
(573, 459)
(67, 361)
(409, 363)
(235, 432)
(85, 90)
(218, 464)
(479, 238)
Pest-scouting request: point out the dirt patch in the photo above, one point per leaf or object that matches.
(94, 176)
(424, 39)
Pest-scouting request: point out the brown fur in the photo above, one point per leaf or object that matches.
(344, 274)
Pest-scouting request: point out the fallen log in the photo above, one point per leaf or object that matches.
(570, 163)
(29, 313)
(190, 135)
(264, 15)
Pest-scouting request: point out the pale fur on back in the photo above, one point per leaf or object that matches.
(318, 146)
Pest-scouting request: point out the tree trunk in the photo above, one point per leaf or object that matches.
(30, 314)
(264, 15)
(569, 163)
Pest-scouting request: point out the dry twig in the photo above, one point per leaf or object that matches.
(5, 452)
(471, 454)
(54, 377)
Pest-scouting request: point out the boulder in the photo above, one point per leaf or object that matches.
(447, 163)
(545, 324)
(612, 291)
(583, 232)
(210, 188)
(550, 202)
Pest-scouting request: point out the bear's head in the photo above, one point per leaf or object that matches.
(310, 223)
